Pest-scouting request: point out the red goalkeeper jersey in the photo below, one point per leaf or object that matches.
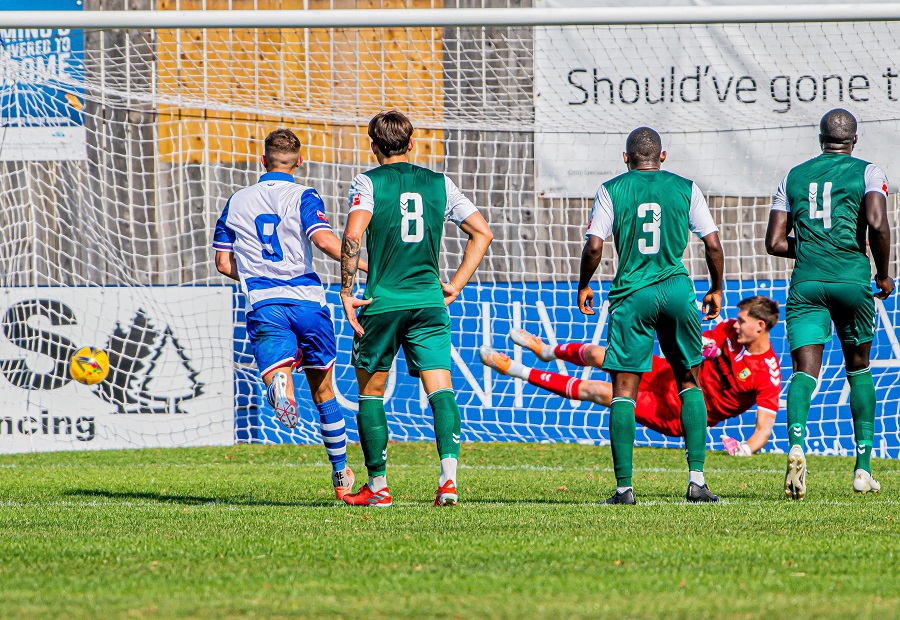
(736, 380)
(732, 383)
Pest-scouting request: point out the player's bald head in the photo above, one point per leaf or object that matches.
(643, 145)
(837, 128)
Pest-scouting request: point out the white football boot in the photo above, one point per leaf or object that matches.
(863, 482)
(795, 479)
(284, 406)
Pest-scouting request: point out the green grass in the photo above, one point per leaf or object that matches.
(254, 531)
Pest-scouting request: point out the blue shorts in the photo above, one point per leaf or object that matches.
(297, 334)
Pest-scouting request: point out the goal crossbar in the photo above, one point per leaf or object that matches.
(386, 18)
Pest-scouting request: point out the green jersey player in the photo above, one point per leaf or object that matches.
(831, 202)
(402, 209)
(649, 213)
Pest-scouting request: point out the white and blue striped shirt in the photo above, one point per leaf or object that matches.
(268, 226)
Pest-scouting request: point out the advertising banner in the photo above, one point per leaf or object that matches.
(737, 105)
(41, 101)
(171, 372)
(499, 408)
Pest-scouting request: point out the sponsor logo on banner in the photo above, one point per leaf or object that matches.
(737, 106)
(41, 88)
(170, 377)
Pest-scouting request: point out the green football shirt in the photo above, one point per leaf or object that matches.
(648, 213)
(409, 206)
(824, 201)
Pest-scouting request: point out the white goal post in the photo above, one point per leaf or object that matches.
(446, 18)
(123, 133)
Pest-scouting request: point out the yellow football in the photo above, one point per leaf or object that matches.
(89, 365)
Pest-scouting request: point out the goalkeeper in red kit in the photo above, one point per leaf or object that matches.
(739, 370)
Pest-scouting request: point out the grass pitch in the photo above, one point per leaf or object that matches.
(254, 531)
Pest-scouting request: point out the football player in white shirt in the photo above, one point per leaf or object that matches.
(264, 238)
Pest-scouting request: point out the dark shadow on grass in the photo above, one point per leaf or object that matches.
(192, 500)
(509, 502)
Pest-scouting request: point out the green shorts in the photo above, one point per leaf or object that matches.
(424, 335)
(813, 306)
(668, 308)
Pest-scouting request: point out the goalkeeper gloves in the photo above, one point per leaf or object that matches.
(735, 447)
(710, 349)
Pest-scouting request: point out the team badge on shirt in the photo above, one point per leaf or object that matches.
(744, 374)
(321, 216)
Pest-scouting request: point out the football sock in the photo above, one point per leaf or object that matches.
(862, 405)
(693, 421)
(334, 433)
(798, 402)
(376, 483)
(448, 470)
(373, 434)
(446, 422)
(696, 477)
(621, 438)
(561, 385)
(572, 352)
(518, 370)
(270, 394)
(623, 489)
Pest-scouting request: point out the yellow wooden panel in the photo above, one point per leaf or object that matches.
(332, 75)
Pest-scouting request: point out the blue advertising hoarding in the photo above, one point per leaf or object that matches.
(41, 92)
(497, 408)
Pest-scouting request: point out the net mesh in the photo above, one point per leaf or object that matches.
(526, 121)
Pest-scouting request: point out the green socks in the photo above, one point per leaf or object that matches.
(373, 429)
(693, 421)
(798, 401)
(862, 406)
(373, 433)
(446, 422)
(621, 438)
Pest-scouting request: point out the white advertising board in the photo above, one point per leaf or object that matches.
(737, 105)
(171, 368)
(41, 96)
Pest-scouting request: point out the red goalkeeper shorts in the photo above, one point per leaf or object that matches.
(658, 405)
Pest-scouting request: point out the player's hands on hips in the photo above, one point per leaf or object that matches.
(712, 305)
(885, 286)
(586, 300)
(351, 306)
(450, 293)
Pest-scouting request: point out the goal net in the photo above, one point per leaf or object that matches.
(119, 148)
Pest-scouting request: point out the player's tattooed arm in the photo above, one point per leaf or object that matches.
(350, 250)
(330, 244)
(351, 246)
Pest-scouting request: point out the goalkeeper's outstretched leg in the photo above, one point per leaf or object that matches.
(577, 353)
(599, 392)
